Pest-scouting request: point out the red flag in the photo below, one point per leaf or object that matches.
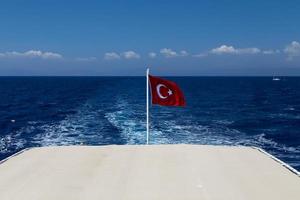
(165, 93)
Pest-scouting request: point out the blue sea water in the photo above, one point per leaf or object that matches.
(253, 111)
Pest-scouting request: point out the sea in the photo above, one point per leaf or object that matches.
(250, 111)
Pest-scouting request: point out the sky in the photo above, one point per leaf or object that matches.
(172, 38)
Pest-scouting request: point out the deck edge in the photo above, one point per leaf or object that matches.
(15, 154)
(282, 163)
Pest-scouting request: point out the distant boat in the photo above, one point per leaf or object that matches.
(276, 79)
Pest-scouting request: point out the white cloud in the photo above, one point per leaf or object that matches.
(86, 59)
(184, 53)
(271, 51)
(130, 55)
(126, 55)
(200, 55)
(169, 53)
(253, 50)
(31, 54)
(292, 50)
(224, 49)
(152, 55)
(111, 56)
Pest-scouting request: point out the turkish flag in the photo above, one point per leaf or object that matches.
(165, 93)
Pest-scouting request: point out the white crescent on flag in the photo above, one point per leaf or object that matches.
(158, 91)
(165, 92)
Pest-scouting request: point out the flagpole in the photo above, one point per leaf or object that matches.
(147, 103)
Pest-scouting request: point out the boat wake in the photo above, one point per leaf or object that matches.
(125, 124)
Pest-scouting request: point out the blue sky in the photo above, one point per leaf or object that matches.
(51, 37)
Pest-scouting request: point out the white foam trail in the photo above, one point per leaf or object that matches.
(85, 127)
(169, 132)
(74, 129)
(128, 122)
(14, 141)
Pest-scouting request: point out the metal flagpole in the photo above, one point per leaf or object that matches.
(147, 103)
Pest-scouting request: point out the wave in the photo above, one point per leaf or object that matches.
(85, 127)
(14, 141)
(133, 131)
(91, 125)
(82, 127)
(130, 124)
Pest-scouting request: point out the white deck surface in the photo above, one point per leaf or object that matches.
(166, 172)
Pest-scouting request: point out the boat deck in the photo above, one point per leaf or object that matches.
(153, 172)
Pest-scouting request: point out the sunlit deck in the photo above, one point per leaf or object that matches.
(151, 172)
